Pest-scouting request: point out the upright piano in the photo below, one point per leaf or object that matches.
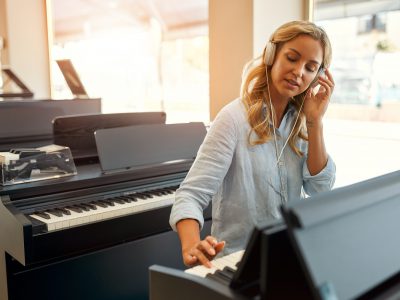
(28, 123)
(92, 235)
(94, 258)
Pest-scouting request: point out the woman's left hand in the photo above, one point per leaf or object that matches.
(315, 105)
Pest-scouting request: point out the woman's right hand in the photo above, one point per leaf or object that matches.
(202, 252)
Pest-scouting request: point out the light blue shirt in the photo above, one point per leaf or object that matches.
(243, 180)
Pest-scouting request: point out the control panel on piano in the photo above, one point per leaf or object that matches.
(94, 210)
(222, 270)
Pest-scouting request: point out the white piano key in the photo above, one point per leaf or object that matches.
(104, 213)
(217, 264)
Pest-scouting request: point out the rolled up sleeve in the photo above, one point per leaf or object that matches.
(323, 181)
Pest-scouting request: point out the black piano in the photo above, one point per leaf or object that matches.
(341, 244)
(28, 123)
(100, 256)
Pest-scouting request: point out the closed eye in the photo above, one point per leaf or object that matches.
(311, 69)
(291, 59)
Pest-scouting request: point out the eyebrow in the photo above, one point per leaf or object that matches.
(313, 61)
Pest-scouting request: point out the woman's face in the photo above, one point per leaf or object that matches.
(296, 65)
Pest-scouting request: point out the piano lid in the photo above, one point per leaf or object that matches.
(91, 176)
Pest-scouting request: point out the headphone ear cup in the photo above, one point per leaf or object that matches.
(270, 53)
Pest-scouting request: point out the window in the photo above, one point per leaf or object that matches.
(136, 55)
(363, 119)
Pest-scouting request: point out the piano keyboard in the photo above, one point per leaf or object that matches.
(98, 210)
(222, 268)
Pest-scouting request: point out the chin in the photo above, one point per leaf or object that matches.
(289, 94)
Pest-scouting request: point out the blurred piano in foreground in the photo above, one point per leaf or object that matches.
(94, 235)
(268, 268)
(341, 244)
(348, 239)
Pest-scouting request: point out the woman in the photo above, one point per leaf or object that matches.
(263, 148)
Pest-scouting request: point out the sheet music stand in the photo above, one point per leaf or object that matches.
(347, 239)
(72, 78)
(12, 78)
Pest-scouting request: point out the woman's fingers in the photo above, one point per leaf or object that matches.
(330, 77)
(219, 247)
(203, 252)
(202, 257)
(189, 260)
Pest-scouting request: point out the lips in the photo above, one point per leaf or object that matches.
(292, 84)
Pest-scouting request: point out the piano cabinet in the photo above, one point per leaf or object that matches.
(118, 272)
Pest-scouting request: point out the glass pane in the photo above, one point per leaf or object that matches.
(136, 55)
(363, 119)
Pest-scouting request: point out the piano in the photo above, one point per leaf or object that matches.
(28, 123)
(92, 235)
(234, 276)
(78, 226)
(341, 244)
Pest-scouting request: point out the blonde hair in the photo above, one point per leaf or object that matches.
(254, 83)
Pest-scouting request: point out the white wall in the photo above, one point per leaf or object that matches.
(270, 14)
(238, 31)
(231, 46)
(28, 54)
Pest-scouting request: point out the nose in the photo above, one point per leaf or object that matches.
(298, 70)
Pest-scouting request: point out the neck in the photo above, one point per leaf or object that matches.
(279, 104)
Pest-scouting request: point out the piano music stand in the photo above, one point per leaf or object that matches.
(12, 78)
(77, 131)
(347, 239)
(72, 78)
(281, 275)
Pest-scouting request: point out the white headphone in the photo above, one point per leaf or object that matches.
(270, 50)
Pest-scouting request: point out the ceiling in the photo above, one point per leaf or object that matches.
(73, 17)
(176, 18)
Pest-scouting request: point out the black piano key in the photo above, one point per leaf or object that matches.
(54, 212)
(99, 203)
(157, 193)
(126, 199)
(228, 272)
(91, 206)
(140, 196)
(119, 200)
(108, 202)
(168, 190)
(42, 215)
(64, 211)
(219, 276)
(82, 206)
(75, 209)
(148, 195)
(134, 199)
